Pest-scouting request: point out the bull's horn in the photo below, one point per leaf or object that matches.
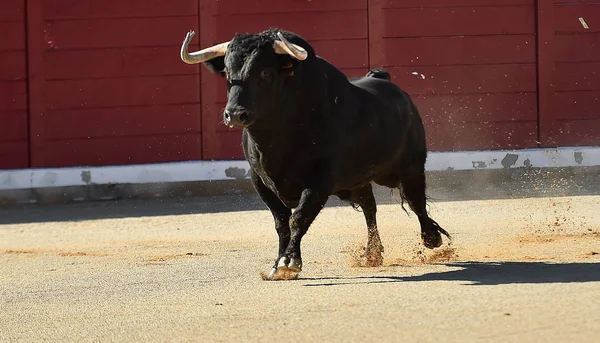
(283, 46)
(202, 55)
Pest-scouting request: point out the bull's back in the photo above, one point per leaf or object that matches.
(384, 127)
(382, 102)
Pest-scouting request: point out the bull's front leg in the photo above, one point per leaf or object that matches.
(311, 203)
(281, 213)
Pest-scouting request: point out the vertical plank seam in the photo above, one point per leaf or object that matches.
(35, 81)
(545, 37)
(200, 86)
(369, 34)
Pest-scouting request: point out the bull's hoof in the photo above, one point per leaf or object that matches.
(294, 264)
(373, 256)
(431, 240)
(286, 269)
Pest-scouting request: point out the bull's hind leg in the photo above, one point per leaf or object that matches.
(364, 198)
(413, 189)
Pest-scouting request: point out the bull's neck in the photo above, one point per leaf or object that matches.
(276, 132)
(266, 139)
(284, 128)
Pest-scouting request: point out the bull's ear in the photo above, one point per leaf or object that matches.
(216, 65)
(287, 64)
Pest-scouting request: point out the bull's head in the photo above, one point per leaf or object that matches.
(256, 67)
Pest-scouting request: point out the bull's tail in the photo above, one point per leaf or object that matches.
(379, 74)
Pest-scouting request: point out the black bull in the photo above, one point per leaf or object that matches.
(309, 132)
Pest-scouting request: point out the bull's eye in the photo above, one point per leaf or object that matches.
(266, 73)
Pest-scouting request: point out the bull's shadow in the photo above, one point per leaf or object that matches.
(487, 273)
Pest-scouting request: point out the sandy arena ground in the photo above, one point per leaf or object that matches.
(518, 270)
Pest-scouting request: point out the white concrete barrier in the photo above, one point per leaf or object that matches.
(230, 170)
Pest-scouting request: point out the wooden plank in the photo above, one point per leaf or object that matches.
(229, 145)
(376, 29)
(466, 79)
(574, 2)
(355, 72)
(207, 37)
(582, 47)
(481, 136)
(321, 26)
(14, 125)
(286, 6)
(545, 45)
(13, 95)
(12, 10)
(199, 93)
(217, 104)
(123, 121)
(14, 155)
(453, 3)
(15, 41)
(457, 21)
(577, 105)
(123, 150)
(101, 93)
(87, 9)
(344, 54)
(495, 107)
(459, 50)
(36, 82)
(567, 18)
(577, 133)
(582, 76)
(13, 66)
(118, 62)
(114, 33)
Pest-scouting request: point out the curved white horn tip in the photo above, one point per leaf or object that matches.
(189, 35)
(184, 47)
(302, 52)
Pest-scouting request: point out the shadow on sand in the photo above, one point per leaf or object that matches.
(440, 188)
(128, 209)
(485, 273)
(132, 208)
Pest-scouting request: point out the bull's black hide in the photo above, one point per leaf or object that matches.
(309, 132)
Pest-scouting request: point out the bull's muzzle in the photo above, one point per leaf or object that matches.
(236, 118)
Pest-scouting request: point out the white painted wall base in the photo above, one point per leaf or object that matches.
(229, 170)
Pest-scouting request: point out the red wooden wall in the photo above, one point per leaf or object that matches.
(14, 135)
(99, 82)
(573, 59)
(113, 90)
(469, 64)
